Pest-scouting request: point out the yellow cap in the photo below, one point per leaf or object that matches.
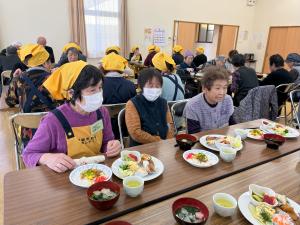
(157, 49)
(200, 50)
(63, 78)
(177, 48)
(151, 48)
(116, 48)
(160, 59)
(114, 62)
(134, 48)
(71, 45)
(38, 54)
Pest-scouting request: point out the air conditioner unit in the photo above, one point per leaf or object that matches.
(251, 2)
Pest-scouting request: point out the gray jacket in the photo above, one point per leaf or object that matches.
(295, 72)
(261, 102)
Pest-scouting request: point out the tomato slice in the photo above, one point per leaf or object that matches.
(133, 157)
(100, 179)
(190, 156)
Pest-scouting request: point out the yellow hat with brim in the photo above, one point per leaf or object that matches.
(177, 48)
(157, 49)
(71, 45)
(151, 48)
(114, 62)
(116, 48)
(200, 50)
(134, 48)
(62, 79)
(160, 59)
(37, 55)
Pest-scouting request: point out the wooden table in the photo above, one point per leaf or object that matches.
(40, 196)
(282, 175)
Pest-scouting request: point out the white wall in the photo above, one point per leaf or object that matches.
(162, 13)
(271, 13)
(26, 20)
(211, 48)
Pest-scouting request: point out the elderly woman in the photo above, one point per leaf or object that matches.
(80, 127)
(177, 54)
(71, 52)
(147, 115)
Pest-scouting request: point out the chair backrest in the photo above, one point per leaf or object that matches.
(177, 114)
(295, 98)
(170, 103)
(114, 109)
(5, 74)
(23, 120)
(122, 127)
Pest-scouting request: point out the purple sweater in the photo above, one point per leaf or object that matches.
(50, 136)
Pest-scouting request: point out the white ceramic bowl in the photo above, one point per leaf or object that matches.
(135, 153)
(133, 191)
(259, 189)
(241, 132)
(228, 154)
(221, 210)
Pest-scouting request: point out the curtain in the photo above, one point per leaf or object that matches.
(78, 33)
(105, 22)
(124, 31)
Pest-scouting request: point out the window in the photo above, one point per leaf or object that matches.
(102, 22)
(206, 33)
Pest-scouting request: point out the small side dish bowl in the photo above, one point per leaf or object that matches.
(192, 203)
(186, 141)
(257, 193)
(224, 204)
(131, 155)
(273, 141)
(103, 204)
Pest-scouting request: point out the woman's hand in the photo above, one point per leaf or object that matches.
(113, 148)
(59, 162)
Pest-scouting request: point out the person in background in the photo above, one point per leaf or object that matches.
(152, 49)
(293, 62)
(172, 89)
(200, 59)
(177, 54)
(212, 108)
(115, 49)
(9, 61)
(42, 41)
(228, 63)
(148, 118)
(71, 53)
(79, 128)
(116, 88)
(220, 61)
(16, 44)
(243, 79)
(135, 55)
(279, 75)
(188, 64)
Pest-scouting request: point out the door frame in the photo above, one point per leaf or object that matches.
(176, 21)
(268, 42)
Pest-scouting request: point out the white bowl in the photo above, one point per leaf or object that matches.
(259, 189)
(228, 154)
(241, 132)
(135, 153)
(133, 191)
(221, 210)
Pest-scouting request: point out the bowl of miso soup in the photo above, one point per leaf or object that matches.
(185, 141)
(190, 211)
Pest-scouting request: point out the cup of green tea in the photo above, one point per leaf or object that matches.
(133, 185)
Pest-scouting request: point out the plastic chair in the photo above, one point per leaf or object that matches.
(177, 114)
(5, 74)
(122, 128)
(23, 120)
(294, 99)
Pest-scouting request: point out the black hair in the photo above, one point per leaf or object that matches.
(112, 50)
(148, 74)
(170, 67)
(89, 76)
(232, 53)
(73, 50)
(238, 60)
(277, 60)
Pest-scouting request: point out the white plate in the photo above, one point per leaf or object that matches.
(159, 167)
(254, 137)
(244, 201)
(212, 158)
(293, 133)
(213, 147)
(75, 174)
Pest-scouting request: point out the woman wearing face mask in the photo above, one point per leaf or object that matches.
(147, 115)
(80, 127)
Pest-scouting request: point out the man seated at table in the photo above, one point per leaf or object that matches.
(212, 108)
(80, 127)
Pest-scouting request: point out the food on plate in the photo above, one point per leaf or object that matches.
(201, 157)
(93, 175)
(210, 140)
(263, 213)
(221, 141)
(257, 133)
(103, 195)
(224, 203)
(263, 197)
(142, 168)
(190, 214)
(130, 156)
(89, 160)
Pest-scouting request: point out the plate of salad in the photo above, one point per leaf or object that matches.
(212, 141)
(280, 129)
(200, 158)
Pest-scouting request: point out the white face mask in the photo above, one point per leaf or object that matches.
(92, 102)
(151, 94)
